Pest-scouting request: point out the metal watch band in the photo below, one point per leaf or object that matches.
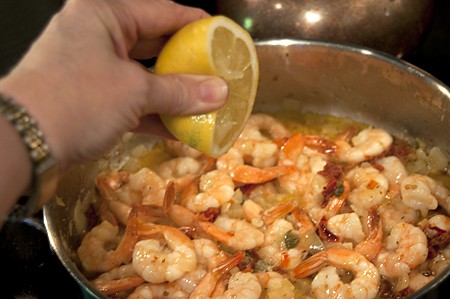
(44, 166)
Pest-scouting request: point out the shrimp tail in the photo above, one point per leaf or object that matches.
(311, 265)
(372, 245)
(218, 233)
(251, 175)
(118, 285)
(271, 215)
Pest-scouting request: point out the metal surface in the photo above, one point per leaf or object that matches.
(392, 26)
(304, 76)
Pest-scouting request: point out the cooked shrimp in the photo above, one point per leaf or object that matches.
(281, 246)
(366, 144)
(142, 187)
(233, 164)
(328, 284)
(181, 149)
(393, 170)
(347, 227)
(437, 230)
(163, 259)
(422, 193)
(275, 285)
(373, 243)
(155, 291)
(258, 153)
(393, 211)
(209, 256)
(211, 280)
(308, 163)
(215, 188)
(438, 221)
(256, 214)
(95, 251)
(242, 285)
(117, 280)
(236, 233)
(405, 248)
(262, 126)
(181, 170)
(180, 215)
(369, 186)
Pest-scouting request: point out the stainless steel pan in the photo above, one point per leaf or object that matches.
(302, 76)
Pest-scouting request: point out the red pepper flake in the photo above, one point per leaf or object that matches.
(438, 242)
(210, 214)
(91, 217)
(249, 261)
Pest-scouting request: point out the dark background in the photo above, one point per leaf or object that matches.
(31, 269)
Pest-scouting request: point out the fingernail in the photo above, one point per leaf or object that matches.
(213, 90)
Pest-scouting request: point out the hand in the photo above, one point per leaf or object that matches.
(80, 82)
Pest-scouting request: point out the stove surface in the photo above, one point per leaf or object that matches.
(33, 269)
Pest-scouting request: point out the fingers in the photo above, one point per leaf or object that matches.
(161, 17)
(185, 94)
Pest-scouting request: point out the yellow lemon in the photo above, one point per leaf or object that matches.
(213, 46)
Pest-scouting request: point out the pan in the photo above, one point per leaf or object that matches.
(301, 76)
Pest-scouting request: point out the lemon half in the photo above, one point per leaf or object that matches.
(213, 46)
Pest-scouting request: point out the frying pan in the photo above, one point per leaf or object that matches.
(304, 76)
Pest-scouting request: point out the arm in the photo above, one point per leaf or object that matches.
(81, 84)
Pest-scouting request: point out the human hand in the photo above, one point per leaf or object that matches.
(80, 82)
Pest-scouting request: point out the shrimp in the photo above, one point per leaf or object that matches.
(95, 251)
(422, 193)
(369, 186)
(233, 164)
(212, 278)
(366, 144)
(181, 149)
(406, 247)
(308, 163)
(120, 279)
(180, 215)
(236, 233)
(261, 126)
(154, 291)
(181, 170)
(347, 227)
(373, 243)
(215, 188)
(123, 190)
(243, 285)
(258, 153)
(393, 170)
(165, 259)
(280, 247)
(328, 284)
(393, 210)
(256, 214)
(437, 230)
(276, 285)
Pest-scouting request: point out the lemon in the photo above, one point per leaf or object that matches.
(213, 46)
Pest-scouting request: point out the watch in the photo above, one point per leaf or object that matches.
(44, 165)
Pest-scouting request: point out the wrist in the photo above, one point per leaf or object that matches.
(41, 164)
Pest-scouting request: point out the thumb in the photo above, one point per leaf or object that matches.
(182, 94)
